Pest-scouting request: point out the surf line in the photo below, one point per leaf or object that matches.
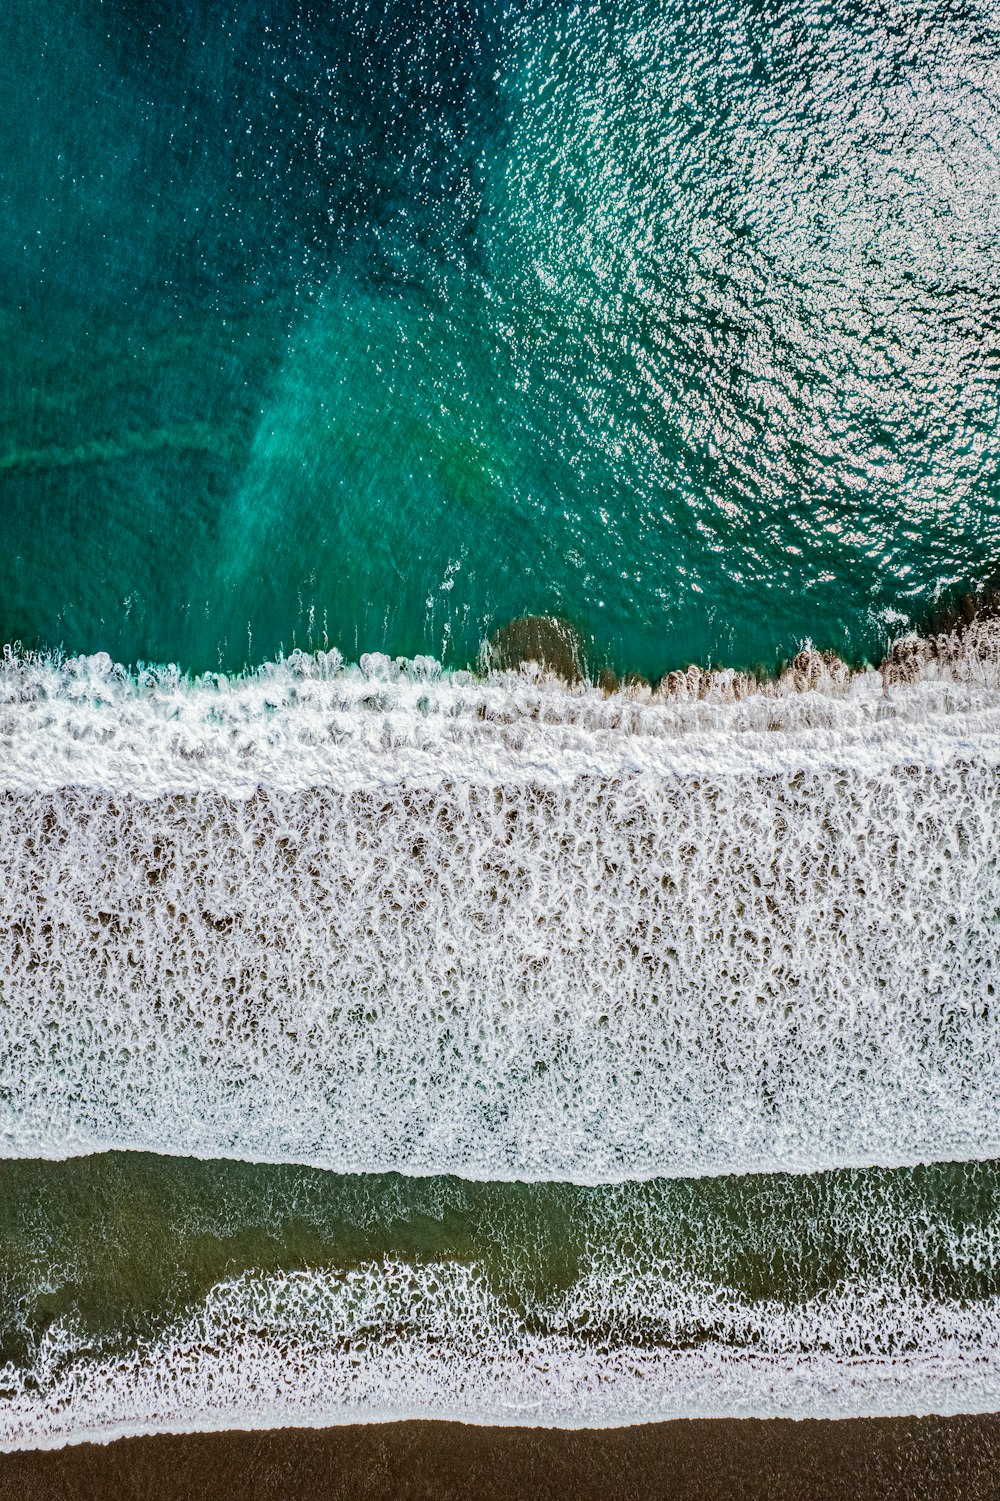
(381, 917)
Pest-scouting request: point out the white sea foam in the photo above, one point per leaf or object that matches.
(384, 918)
(390, 1341)
(308, 721)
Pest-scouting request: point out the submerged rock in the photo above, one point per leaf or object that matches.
(955, 617)
(962, 636)
(554, 644)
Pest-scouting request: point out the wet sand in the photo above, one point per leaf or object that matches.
(947, 1459)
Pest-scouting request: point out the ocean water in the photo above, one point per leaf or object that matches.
(387, 1035)
(297, 1296)
(376, 325)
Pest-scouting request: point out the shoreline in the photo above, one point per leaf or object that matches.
(779, 1459)
(143, 748)
(549, 650)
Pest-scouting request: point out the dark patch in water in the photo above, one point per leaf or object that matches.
(553, 643)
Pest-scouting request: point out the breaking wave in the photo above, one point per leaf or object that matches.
(391, 1340)
(379, 917)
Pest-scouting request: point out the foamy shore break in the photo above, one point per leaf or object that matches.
(310, 720)
(380, 917)
(310, 1349)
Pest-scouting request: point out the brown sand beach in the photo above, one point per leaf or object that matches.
(941, 1459)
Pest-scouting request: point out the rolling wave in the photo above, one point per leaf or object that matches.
(389, 1341)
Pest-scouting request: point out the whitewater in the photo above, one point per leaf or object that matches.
(390, 1341)
(380, 917)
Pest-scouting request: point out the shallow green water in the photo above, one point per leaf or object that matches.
(380, 324)
(121, 1244)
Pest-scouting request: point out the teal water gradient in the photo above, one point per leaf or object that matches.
(379, 324)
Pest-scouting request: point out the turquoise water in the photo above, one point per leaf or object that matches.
(377, 325)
